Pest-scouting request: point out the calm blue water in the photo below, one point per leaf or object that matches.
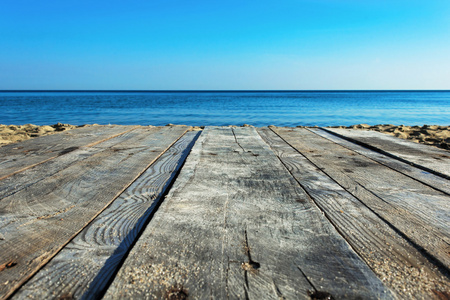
(227, 108)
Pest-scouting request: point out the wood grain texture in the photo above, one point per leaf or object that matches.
(17, 157)
(84, 267)
(38, 221)
(419, 212)
(430, 158)
(401, 266)
(435, 181)
(25, 179)
(236, 224)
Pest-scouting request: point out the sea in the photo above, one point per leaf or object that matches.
(221, 108)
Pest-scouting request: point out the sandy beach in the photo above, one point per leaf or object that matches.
(17, 133)
(434, 135)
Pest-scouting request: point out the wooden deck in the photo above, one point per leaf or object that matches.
(254, 213)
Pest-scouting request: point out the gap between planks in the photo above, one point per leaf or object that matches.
(401, 266)
(417, 211)
(427, 158)
(85, 266)
(88, 181)
(434, 181)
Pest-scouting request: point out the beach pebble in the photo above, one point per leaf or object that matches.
(401, 135)
(45, 128)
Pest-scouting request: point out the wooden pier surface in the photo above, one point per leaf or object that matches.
(135, 212)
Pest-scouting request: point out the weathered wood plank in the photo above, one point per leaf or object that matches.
(401, 266)
(16, 182)
(419, 212)
(15, 158)
(236, 224)
(30, 176)
(38, 221)
(85, 265)
(429, 158)
(435, 181)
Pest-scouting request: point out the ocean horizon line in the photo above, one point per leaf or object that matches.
(213, 91)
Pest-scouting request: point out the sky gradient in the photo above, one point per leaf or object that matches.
(224, 45)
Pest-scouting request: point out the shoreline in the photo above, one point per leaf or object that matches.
(433, 135)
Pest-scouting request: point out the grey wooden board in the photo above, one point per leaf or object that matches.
(426, 156)
(418, 211)
(236, 224)
(401, 266)
(84, 266)
(20, 156)
(14, 183)
(435, 181)
(38, 221)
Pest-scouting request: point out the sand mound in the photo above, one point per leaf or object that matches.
(433, 135)
(16, 133)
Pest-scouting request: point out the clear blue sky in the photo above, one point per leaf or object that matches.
(171, 44)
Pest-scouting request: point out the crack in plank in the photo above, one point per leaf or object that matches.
(251, 266)
(277, 291)
(315, 294)
(235, 138)
(56, 213)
